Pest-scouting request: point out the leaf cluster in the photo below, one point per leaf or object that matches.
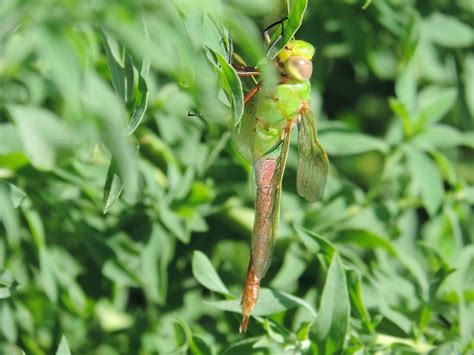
(125, 223)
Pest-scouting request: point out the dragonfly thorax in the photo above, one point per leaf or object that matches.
(273, 112)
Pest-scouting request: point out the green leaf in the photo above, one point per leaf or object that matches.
(8, 325)
(405, 88)
(206, 275)
(155, 259)
(113, 187)
(468, 82)
(12, 155)
(129, 73)
(426, 177)
(109, 115)
(62, 60)
(115, 62)
(140, 102)
(355, 292)
(399, 109)
(269, 302)
(111, 318)
(448, 31)
(17, 195)
(439, 136)
(8, 214)
(231, 84)
(365, 239)
(173, 222)
(48, 280)
(295, 18)
(412, 35)
(8, 284)
(435, 103)
(293, 267)
(446, 166)
(468, 139)
(43, 135)
(315, 243)
(63, 348)
(35, 225)
(348, 143)
(333, 316)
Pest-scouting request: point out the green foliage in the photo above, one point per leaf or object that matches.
(125, 224)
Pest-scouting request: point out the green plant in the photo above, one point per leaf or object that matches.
(382, 264)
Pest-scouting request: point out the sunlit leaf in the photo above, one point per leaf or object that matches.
(439, 136)
(448, 31)
(269, 302)
(435, 103)
(333, 316)
(205, 273)
(63, 348)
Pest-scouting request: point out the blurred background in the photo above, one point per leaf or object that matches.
(125, 223)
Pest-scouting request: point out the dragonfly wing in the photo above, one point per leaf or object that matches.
(269, 171)
(312, 170)
(243, 134)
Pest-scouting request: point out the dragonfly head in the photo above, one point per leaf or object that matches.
(296, 57)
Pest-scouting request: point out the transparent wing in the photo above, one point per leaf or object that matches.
(269, 171)
(312, 170)
(243, 134)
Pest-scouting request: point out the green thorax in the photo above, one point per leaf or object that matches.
(273, 111)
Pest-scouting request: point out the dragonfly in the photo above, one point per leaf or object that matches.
(263, 138)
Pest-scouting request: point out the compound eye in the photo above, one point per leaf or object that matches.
(300, 68)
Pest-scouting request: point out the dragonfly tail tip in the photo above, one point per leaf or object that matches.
(244, 324)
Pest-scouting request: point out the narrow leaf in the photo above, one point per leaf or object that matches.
(333, 317)
(355, 291)
(295, 18)
(129, 75)
(155, 260)
(115, 63)
(140, 102)
(427, 179)
(231, 84)
(405, 88)
(113, 187)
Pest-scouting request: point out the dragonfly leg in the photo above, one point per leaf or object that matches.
(249, 296)
(304, 108)
(251, 93)
(243, 70)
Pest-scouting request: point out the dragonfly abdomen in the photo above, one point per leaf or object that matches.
(263, 236)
